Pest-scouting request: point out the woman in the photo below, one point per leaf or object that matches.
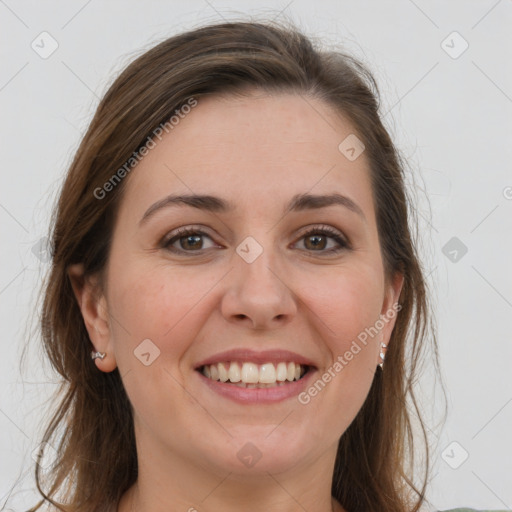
(232, 264)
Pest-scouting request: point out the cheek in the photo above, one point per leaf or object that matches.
(347, 308)
(161, 305)
(157, 304)
(347, 304)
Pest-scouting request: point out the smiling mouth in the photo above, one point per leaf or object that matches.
(252, 375)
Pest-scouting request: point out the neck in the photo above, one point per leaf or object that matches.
(170, 481)
(131, 502)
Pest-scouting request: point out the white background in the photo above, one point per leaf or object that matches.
(451, 118)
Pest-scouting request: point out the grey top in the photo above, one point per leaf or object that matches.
(471, 510)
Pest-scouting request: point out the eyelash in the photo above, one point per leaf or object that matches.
(322, 230)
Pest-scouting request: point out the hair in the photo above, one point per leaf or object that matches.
(96, 458)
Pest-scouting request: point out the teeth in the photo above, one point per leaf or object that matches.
(290, 375)
(281, 372)
(251, 375)
(223, 372)
(267, 373)
(234, 372)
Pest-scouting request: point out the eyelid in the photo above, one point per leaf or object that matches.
(322, 227)
(184, 231)
(333, 233)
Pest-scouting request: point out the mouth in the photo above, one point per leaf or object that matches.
(247, 376)
(251, 375)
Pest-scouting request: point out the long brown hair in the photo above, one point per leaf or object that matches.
(93, 423)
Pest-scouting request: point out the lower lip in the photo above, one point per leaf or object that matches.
(259, 395)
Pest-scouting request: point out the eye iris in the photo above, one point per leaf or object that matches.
(316, 244)
(188, 238)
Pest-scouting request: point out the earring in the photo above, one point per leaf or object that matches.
(95, 355)
(382, 355)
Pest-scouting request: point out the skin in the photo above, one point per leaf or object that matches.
(257, 151)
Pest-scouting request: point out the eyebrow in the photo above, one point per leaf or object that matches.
(299, 202)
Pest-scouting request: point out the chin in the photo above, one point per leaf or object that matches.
(260, 450)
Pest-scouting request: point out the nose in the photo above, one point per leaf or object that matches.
(258, 295)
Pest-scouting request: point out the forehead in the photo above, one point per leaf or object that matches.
(266, 146)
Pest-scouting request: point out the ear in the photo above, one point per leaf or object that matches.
(390, 307)
(93, 306)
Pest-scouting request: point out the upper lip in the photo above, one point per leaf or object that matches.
(247, 355)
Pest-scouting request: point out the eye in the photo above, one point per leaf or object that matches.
(316, 238)
(189, 240)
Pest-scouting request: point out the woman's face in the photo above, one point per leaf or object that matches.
(256, 280)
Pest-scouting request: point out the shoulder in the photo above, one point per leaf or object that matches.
(469, 510)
